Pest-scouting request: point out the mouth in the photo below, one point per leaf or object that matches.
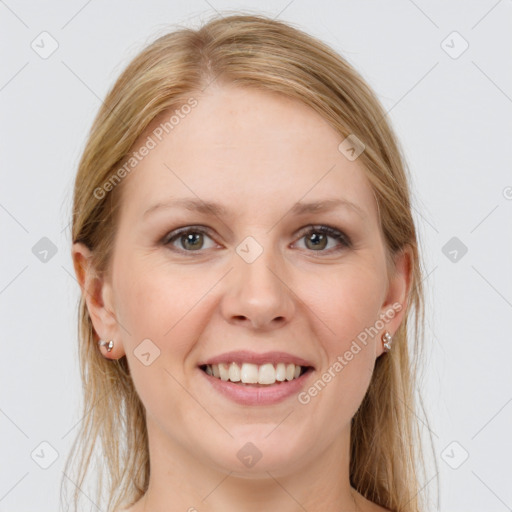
(256, 375)
(256, 379)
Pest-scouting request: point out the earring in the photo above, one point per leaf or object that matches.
(387, 339)
(109, 344)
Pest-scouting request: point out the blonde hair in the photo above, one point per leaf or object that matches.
(387, 459)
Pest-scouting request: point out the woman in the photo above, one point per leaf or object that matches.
(249, 265)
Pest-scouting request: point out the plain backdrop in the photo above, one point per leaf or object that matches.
(442, 71)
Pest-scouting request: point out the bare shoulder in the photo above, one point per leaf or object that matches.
(373, 507)
(369, 506)
(378, 508)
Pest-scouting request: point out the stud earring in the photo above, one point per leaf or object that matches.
(108, 344)
(387, 339)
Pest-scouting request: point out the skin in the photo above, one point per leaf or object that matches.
(257, 153)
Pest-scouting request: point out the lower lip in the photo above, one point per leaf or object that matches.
(258, 395)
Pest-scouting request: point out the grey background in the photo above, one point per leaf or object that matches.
(452, 114)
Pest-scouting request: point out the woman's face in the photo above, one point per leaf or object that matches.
(257, 276)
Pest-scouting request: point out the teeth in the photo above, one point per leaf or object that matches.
(223, 371)
(280, 372)
(234, 372)
(250, 373)
(267, 374)
(290, 371)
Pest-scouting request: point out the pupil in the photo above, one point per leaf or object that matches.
(190, 239)
(318, 240)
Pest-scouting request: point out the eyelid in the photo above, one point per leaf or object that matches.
(326, 229)
(176, 233)
(185, 229)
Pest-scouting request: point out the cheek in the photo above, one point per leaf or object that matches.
(155, 303)
(347, 303)
(347, 300)
(144, 290)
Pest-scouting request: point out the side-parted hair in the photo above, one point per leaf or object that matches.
(387, 463)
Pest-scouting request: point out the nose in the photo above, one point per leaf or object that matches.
(257, 294)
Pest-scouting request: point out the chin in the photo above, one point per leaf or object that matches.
(256, 450)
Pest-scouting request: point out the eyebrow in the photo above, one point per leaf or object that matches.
(212, 208)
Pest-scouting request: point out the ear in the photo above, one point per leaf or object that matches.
(97, 292)
(395, 304)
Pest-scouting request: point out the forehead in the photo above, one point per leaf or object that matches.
(246, 146)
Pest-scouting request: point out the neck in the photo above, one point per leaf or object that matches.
(181, 482)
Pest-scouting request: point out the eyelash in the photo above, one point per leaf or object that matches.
(343, 239)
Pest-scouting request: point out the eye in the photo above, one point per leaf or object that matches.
(190, 239)
(317, 239)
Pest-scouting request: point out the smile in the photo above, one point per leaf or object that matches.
(251, 378)
(248, 373)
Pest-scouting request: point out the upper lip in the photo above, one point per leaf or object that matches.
(246, 356)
